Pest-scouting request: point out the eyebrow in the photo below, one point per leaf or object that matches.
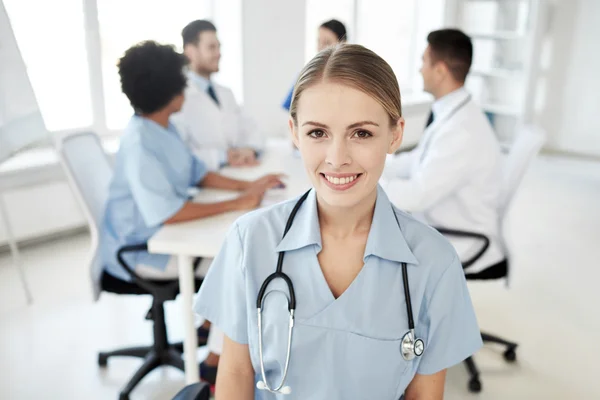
(351, 126)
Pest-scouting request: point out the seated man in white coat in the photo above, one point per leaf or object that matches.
(211, 122)
(452, 178)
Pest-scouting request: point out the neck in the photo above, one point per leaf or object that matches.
(161, 117)
(443, 90)
(203, 73)
(342, 222)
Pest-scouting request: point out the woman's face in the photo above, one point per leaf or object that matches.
(326, 38)
(344, 136)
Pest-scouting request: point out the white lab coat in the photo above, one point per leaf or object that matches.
(210, 130)
(452, 178)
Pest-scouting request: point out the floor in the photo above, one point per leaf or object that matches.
(48, 350)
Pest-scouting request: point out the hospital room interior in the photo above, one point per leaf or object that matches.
(89, 312)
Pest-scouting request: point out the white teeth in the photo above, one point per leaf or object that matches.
(341, 181)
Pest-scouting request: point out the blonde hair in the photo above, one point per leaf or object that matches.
(357, 67)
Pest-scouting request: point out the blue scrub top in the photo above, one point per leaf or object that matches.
(349, 347)
(153, 172)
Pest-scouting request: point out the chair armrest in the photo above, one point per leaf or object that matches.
(195, 391)
(465, 234)
(143, 283)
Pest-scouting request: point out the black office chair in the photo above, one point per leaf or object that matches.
(528, 141)
(89, 172)
(497, 271)
(161, 352)
(195, 391)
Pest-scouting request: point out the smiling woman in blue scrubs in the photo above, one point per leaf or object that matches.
(344, 254)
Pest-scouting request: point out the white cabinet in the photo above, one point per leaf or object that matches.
(507, 44)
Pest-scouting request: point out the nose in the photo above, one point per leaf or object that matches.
(338, 153)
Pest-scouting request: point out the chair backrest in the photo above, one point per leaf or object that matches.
(89, 172)
(528, 142)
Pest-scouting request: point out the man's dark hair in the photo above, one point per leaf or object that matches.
(191, 32)
(453, 48)
(336, 27)
(151, 76)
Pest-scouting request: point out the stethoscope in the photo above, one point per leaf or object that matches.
(410, 346)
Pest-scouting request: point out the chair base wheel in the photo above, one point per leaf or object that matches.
(102, 360)
(510, 355)
(475, 385)
(123, 396)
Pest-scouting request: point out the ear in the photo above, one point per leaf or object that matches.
(397, 134)
(441, 70)
(293, 132)
(187, 51)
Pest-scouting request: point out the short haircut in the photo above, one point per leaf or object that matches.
(151, 76)
(337, 28)
(453, 48)
(191, 32)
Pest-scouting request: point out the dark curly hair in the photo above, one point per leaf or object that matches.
(151, 76)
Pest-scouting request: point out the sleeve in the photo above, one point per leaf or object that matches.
(222, 296)
(287, 103)
(199, 171)
(249, 132)
(212, 158)
(444, 167)
(453, 333)
(152, 191)
(398, 166)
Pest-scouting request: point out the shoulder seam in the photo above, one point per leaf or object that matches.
(442, 275)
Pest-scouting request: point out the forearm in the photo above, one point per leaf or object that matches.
(191, 211)
(234, 385)
(218, 181)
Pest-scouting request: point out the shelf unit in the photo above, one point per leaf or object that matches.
(507, 41)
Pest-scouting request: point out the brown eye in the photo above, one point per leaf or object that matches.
(317, 134)
(362, 134)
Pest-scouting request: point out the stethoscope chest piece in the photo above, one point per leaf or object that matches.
(411, 347)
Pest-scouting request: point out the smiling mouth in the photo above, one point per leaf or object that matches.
(340, 181)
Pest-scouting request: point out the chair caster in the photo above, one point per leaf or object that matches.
(475, 385)
(510, 355)
(123, 396)
(102, 359)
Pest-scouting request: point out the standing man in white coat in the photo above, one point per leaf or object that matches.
(452, 178)
(211, 122)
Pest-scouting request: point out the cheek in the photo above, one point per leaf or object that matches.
(371, 158)
(313, 154)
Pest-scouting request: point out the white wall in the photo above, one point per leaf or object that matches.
(570, 114)
(273, 48)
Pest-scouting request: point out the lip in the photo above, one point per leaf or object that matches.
(343, 187)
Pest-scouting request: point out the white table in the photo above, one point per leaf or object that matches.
(203, 238)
